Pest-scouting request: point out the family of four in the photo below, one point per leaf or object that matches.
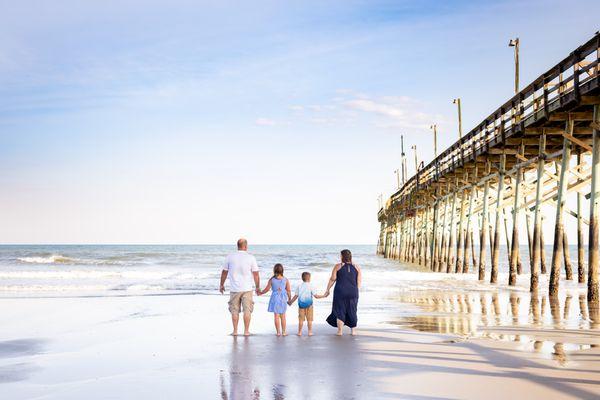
(244, 280)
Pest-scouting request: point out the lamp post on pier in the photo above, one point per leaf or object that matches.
(457, 102)
(397, 172)
(515, 43)
(403, 159)
(434, 128)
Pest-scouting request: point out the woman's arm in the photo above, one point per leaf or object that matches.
(358, 276)
(267, 288)
(332, 278)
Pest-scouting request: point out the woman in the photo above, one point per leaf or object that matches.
(347, 278)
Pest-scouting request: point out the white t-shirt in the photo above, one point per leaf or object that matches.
(240, 266)
(305, 294)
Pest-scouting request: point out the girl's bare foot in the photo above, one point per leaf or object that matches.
(278, 334)
(284, 333)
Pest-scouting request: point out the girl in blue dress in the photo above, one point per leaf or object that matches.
(281, 292)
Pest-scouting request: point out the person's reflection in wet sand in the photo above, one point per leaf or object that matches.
(241, 382)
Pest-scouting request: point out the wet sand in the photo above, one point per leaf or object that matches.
(177, 346)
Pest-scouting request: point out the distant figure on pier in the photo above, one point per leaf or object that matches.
(242, 270)
(347, 279)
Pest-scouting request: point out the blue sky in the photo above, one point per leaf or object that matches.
(198, 122)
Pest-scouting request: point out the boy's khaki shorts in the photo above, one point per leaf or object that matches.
(239, 301)
(305, 314)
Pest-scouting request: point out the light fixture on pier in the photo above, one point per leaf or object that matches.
(515, 43)
(457, 102)
(434, 128)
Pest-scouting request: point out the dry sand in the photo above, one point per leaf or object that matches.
(159, 347)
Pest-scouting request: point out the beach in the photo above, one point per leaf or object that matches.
(434, 337)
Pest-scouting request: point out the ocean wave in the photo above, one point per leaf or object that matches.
(52, 259)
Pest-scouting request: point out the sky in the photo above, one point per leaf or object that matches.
(280, 121)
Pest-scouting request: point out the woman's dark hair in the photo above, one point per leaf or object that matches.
(278, 269)
(346, 256)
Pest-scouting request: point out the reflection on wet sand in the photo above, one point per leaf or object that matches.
(239, 384)
(476, 314)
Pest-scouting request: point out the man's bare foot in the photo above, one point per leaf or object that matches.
(233, 334)
(310, 333)
(247, 334)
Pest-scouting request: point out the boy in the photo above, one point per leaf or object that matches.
(304, 294)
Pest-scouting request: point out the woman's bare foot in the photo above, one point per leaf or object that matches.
(339, 333)
(353, 332)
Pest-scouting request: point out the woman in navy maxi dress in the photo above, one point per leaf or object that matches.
(347, 279)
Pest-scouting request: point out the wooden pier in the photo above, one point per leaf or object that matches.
(540, 148)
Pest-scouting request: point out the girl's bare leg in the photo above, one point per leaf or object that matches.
(340, 325)
(277, 324)
(283, 325)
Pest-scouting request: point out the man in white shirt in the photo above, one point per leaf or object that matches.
(242, 270)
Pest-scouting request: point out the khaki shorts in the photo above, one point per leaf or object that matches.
(305, 314)
(239, 301)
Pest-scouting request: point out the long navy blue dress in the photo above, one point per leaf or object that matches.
(345, 297)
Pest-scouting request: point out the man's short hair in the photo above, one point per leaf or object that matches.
(305, 276)
(242, 244)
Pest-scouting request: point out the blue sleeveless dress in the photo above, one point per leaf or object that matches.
(279, 298)
(345, 297)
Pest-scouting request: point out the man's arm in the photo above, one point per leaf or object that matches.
(223, 277)
(256, 282)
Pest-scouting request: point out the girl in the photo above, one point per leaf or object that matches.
(279, 298)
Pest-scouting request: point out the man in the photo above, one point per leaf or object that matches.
(242, 270)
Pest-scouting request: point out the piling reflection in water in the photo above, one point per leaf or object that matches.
(483, 314)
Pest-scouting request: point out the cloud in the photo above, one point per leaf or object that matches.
(394, 111)
(265, 122)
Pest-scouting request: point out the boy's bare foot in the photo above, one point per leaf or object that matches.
(299, 333)
(310, 333)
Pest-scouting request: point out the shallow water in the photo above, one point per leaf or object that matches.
(393, 292)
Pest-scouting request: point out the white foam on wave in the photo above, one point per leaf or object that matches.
(52, 259)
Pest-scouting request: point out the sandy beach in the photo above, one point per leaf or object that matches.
(176, 346)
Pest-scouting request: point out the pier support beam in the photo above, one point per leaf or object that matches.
(580, 250)
(593, 294)
(499, 198)
(535, 268)
(484, 224)
(514, 250)
(557, 250)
